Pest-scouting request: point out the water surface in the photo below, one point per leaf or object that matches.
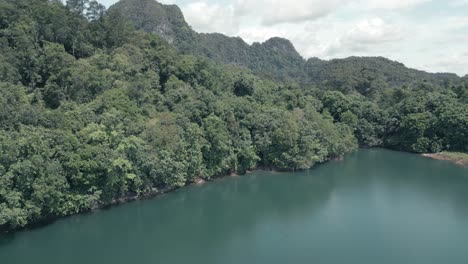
(376, 206)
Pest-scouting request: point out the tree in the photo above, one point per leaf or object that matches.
(217, 152)
(77, 6)
(95, 11)
(243, 85)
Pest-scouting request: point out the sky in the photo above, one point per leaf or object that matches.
(430, 35)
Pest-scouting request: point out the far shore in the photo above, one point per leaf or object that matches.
(455, 157)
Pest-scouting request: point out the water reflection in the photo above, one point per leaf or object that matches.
(375, 203)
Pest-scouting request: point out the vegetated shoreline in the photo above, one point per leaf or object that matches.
(156, 192)
(460, 159)
(457, 158)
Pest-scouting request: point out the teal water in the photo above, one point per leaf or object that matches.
(376, 206)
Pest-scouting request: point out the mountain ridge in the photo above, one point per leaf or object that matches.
(275, 58)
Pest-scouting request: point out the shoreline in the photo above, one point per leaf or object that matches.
(132, 198)
(156, 192)
(460, 159)
(115, 202)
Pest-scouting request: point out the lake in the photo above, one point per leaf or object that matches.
(375, 206)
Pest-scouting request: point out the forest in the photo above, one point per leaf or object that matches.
(94, 109)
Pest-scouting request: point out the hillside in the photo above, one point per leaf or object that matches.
(366, 75)
(276, 58)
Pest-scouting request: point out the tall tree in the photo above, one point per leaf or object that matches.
(77, 6)
(95, 11)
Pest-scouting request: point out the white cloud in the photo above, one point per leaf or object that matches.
(373, 30)
(456, 22)
(459, 2)
(292, 11)
(364, 35)
(392, 4)
(455, 62)
(268, 12)
(212, 18)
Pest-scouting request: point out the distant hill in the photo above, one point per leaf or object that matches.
(364, 74)
(276, 58)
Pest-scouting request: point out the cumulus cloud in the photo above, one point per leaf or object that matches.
(373, 30)
(212, 17)
(274, 12)
(364, 35)
(267, 12)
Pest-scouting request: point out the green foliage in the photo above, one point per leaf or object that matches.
(93, 112)
(244, 85)
(428, 122)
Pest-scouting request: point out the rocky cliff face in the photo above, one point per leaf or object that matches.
(153, 17)
(281, 45)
